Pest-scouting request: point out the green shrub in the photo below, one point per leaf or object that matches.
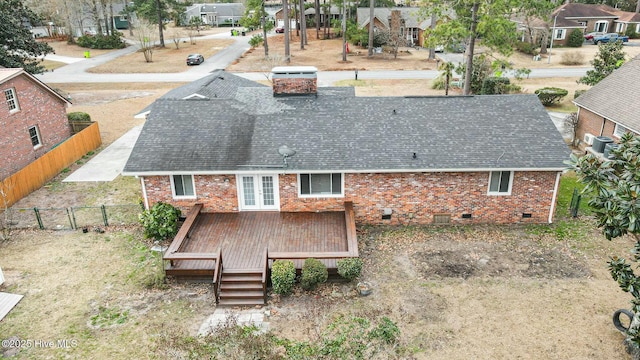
(350, 268)
(631, 32)
(314, 272)
(161, 221)
(527, 48)
(578, 93)
(387, 331)
(79, 116)
(256, 40)
(283, 276)
(102, 41)
(576, 38)
(495, 85)
(572, 58)
(550, 95)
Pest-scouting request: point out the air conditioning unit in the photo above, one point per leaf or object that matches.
(588, 138)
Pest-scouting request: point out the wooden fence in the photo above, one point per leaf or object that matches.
(46, 167)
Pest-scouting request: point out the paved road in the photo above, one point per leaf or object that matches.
(75, 71)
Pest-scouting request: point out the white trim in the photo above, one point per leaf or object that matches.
(196, 95)
(14, 99)
(39, 144)
(606, 28)
(498, 193)
(553, 198)
(560, 31)
(258, 193)
(173, 188)
(318, 196)
(617, 130)
(145, 197)
(344, 171)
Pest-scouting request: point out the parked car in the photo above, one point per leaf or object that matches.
(280, 30)
(589, 36)
(610, 37)
(195, 59)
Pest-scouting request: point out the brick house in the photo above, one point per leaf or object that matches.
(411, 25)
(607, 109)
(237, 146)
(33, 118)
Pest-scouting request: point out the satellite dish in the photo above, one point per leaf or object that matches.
(285, 151)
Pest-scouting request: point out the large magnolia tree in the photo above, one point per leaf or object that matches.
(615, 189)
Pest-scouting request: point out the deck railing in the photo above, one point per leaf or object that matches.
(265, 272)
(217, 275)
(183, 233)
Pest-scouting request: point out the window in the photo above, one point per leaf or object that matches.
(500, 182)
(601, 26)
(12, 100)
(183, 186)
(619, 130)
(619, 27)
(560, 34)
(34, 134)
(321, 184)
(638, 28)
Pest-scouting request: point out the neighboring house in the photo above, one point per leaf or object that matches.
(33, 119)
(216, 14)
(238, 146)
(603, 111)
(590, 18)
(413, 26)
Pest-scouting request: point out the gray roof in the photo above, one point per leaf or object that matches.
(616, 96)
(412, 16)
(337, 131)
(235, 10)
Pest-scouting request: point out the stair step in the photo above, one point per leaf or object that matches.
(240, 302)
(241, 278)
(241, 294)
(243, 271)
(241, 286)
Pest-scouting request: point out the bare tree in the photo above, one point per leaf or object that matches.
(147, 37)
(571, 127)
(176, 37)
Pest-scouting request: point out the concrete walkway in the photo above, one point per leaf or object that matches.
(108, 164)
(222, 317)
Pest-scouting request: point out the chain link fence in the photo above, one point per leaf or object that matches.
(74, 217)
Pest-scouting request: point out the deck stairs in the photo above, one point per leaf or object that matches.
(241, 287)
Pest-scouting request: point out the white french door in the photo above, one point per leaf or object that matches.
(258, 192)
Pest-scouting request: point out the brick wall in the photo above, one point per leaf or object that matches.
(294, 86)
(37, 107)
(213, 191)
(413, 197)
(589, 122)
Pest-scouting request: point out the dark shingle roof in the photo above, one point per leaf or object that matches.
(338, 131)
(616, 96)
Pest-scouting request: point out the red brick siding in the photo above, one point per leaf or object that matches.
(413, 197)
(294, 85)
(211, 190)
(37, 107)
(589, 122)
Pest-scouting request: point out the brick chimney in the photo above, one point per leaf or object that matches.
(294, 80)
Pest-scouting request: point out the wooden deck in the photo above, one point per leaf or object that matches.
(242, 238)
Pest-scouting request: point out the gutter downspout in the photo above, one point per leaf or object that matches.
(144, 193)
(553, 199)
(602, 128)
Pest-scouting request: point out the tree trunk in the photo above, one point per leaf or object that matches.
(287, 52)
(301, 24)
(160, 23)
(638, 6)
(263, 22)
(344, 30)
(472, 42)
(371, 26)
(70, 37)
(317, 7)
(432, 49)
